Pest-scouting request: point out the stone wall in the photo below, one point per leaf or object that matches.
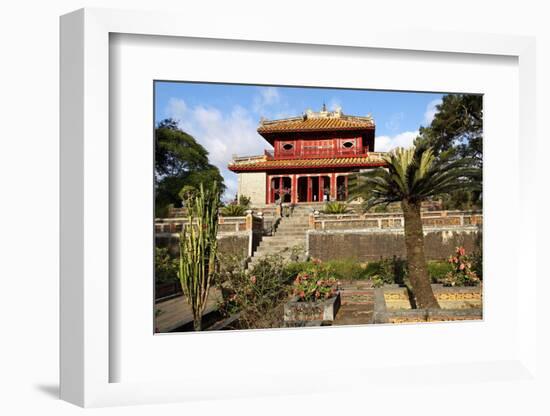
(369, 245)
(252, 184)
(237, 236)
(232, 244)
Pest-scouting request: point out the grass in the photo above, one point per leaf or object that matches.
(381, 270)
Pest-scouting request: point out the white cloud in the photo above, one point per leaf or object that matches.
(386, 143)
(395, 120)
(266, 97)
(431, 110)
(221, 134)
(334, 104)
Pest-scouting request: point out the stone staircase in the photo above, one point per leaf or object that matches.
(288, 240)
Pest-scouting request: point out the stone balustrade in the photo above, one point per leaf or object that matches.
(322, 222)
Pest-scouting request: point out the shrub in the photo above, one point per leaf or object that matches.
(387, 271)
(315, 285)
(166, 267)
(437, 270)
(380, 208)
(477, 256)
(335, 207)
(244, 201)
(233, 211)
(292, 269)
(347, 269)
(462, 273)
(258, 294)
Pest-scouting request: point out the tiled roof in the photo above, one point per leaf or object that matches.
(330, 162)
(301, 124)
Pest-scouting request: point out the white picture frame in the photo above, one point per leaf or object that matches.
(86, 305)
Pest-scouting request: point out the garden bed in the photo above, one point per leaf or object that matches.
(457, 304)
(468, 297)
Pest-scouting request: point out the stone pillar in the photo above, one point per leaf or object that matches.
(312, 221)
(248, 220)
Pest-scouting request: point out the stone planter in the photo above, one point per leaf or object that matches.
(323, 310)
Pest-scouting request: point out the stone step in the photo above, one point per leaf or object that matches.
(283, 242)
(286, 238)
(290, 234)
(269, 252)
(279, 247)
(292, 227)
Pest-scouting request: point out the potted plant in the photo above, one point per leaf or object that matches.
(316, 296)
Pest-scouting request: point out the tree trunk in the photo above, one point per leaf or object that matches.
(414, 242)
(197, 323)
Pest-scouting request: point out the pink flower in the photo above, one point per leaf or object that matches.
(461, 267)
(461, 251)
(253, 279)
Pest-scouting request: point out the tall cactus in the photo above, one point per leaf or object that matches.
(198, 250)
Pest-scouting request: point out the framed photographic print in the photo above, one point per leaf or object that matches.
(272, 200)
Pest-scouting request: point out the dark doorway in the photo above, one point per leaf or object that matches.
(302, 189)
(325, 196)
(287, 189)
(315, 194)
(342, 188)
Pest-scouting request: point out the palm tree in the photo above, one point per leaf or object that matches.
(410, 177)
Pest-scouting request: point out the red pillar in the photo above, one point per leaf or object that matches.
(346, 186)
(309, 186)
(294, 190)
(321, 187)
(268, 187)
(333, 186)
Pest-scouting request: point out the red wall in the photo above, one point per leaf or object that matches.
(312, 146)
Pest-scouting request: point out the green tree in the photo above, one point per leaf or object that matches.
(457, 127)
(456, 131)
(179, 161)
(410, 177)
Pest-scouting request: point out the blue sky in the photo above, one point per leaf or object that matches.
(224, 117)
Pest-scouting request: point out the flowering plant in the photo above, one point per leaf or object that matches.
(315, 284)
(462, 273)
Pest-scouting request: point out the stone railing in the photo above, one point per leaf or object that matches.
(249, 222)
(381, 221)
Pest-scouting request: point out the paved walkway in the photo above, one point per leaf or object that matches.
(176, 311)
